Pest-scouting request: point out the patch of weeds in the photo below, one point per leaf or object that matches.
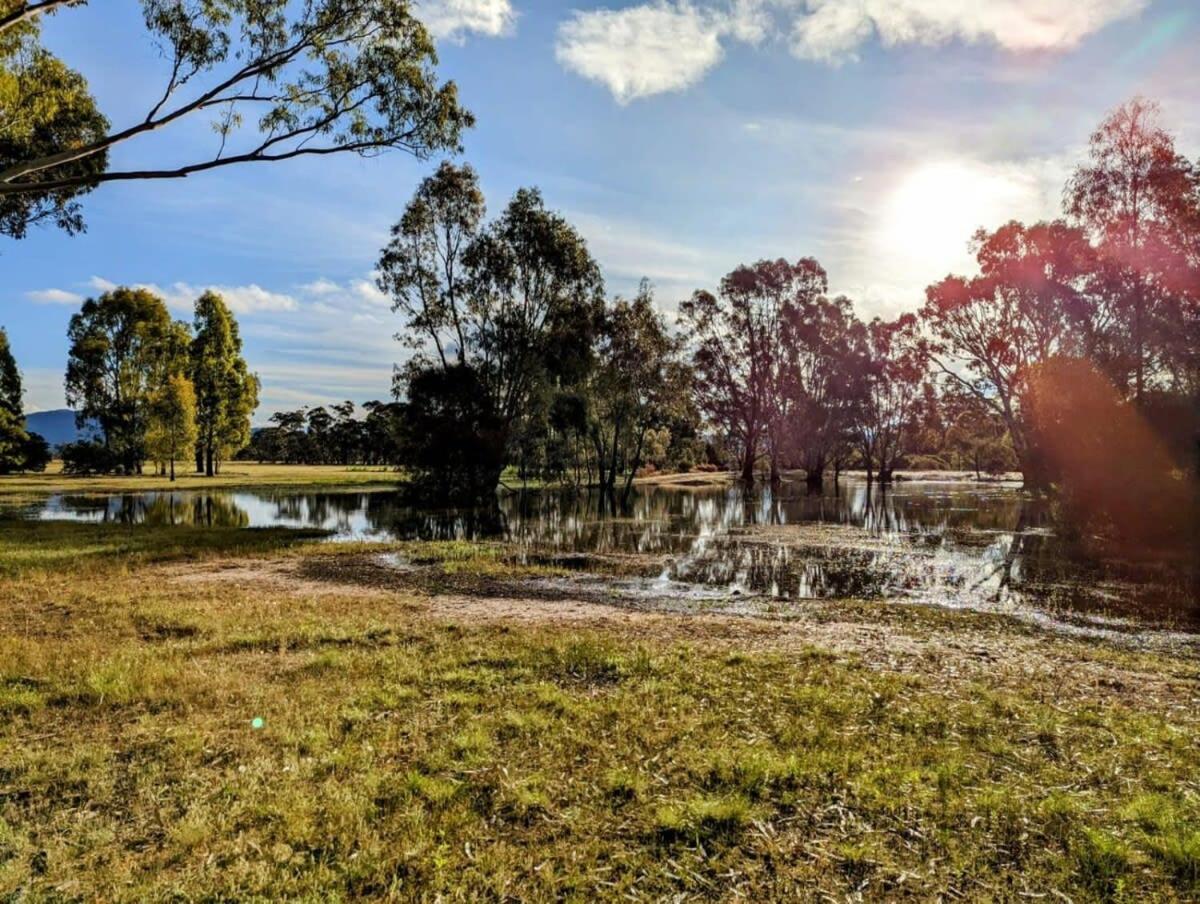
(431, 789)
(755, 773)
(857, 860)
(703, 818)
(471, 742)
(1060, 816)
(623, 785)
(1102, 862)
(582, 662)
(526, 799)
(1178, 849)
(515, 723)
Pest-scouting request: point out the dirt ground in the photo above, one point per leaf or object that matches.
(940, 646)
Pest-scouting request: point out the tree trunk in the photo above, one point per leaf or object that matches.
(748, 468)
(172, 470)
(208, 462)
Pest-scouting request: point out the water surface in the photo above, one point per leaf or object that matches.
(961, 544)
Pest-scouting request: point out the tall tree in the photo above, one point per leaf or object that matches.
(226, 394)
(10, 378)
(638, 386)
(124, 347)
(739, 352)
(1139, 198)
(277, 79)
(13, 438)
(1029, 303)
(515, 302)
(821, 379)
(422, 267)
(893, 384)
(171, 428)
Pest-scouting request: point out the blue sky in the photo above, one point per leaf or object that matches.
(681, 139)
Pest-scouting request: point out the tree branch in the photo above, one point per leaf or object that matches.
(29, 10)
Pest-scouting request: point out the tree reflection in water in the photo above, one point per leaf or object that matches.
(949, 543)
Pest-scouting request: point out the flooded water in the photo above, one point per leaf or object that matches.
(985, 546)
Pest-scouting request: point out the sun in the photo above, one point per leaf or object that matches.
(929, 217)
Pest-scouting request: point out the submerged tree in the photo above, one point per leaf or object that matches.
(638, 386)
(892, 382)
(738, 347)
(823, 379)
(277, 80)
(1029, 303)
(514, 303)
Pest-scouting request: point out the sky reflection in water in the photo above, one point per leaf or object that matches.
(979, 546)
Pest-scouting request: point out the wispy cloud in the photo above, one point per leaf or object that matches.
(181, 296)
(54, 296)
(832, 30)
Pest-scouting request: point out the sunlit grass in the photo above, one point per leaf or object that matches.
(405, 756)
(234, 474)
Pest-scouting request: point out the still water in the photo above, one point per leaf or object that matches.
(959, 544)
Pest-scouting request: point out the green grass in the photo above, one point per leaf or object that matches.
(404, 756)
(234, 474)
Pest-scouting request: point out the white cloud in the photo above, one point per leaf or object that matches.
(642, 50)
(181, 296)
(54, 296)
(321, 286)
(831, 30)
(453, 19)
(669, 45)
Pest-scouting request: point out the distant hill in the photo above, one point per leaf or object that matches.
(57, 426)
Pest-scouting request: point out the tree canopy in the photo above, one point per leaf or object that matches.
(276, 79)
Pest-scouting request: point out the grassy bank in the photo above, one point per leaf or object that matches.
(404, 752)
(235, 474)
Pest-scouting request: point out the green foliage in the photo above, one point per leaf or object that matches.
(45, 107)
(124, 348)
(508, 309)
(171, 427)
(226, 391)
(280, 80)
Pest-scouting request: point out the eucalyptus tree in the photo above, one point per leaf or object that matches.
(739, 353)
(171, 426)
(514, 302)
(638, 386)
(226, 392)
(276, 80)
(1138, 199)
(124, 347)
(893, 383)
(19, 449)
(1032, 301)
(822, 379)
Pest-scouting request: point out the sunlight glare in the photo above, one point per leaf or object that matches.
(929, 218)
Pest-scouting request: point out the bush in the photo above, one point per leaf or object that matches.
(87, 456)
(35, 453)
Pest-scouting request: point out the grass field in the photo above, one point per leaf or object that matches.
(236, 474)
(186, 717)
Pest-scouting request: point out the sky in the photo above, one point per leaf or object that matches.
(680, 138)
